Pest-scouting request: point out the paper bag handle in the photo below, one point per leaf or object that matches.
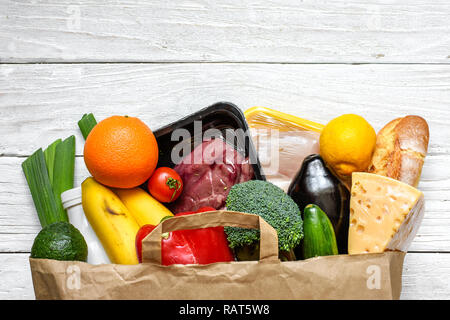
(151, 245)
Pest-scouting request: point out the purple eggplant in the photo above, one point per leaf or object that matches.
(315, 184)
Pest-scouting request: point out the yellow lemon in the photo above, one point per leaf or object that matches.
(347, 144)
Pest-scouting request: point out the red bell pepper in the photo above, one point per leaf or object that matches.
(198, 246)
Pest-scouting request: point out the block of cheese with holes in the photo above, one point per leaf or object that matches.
(385, 214)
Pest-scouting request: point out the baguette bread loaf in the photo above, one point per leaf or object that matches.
(401, 149)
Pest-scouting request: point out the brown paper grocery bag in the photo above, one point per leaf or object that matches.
(368, 276)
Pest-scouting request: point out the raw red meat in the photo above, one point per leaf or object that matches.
(208, 173)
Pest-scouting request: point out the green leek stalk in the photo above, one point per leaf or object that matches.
(49, 154)
(48, 205)
(63, 172)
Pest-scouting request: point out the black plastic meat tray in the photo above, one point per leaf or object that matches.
(220, 116)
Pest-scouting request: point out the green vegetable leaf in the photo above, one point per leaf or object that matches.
(48, 205)
(86, 124)
(63, 172)
(49, 154)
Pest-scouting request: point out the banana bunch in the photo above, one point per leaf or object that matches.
(144, 208)
(116, 216)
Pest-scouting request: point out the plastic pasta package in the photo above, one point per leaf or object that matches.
(282, 141)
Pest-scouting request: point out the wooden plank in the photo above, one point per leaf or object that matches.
(19, 223)
(423, 275)
(40, 103)
(375, 31)
(15, 277)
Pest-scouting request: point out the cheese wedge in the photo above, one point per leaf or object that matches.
(385, 214)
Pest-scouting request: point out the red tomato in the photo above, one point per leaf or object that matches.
(165, 184)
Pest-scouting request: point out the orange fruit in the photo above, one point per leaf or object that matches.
(121, 152)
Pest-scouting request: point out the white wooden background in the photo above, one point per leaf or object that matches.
(161, 60)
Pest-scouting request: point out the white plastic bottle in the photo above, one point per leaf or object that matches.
(71, 200)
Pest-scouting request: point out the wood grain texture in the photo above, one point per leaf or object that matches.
(19, 223)
(15, 275)
(424, 276)
(375, 31)
(40, 103)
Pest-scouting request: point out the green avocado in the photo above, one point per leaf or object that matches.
(60, 241)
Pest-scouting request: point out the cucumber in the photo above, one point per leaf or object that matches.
(319, 239)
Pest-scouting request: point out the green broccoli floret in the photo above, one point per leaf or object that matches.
(273, 205)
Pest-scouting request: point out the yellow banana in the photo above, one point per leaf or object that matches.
(144, 208)
(114, 225)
